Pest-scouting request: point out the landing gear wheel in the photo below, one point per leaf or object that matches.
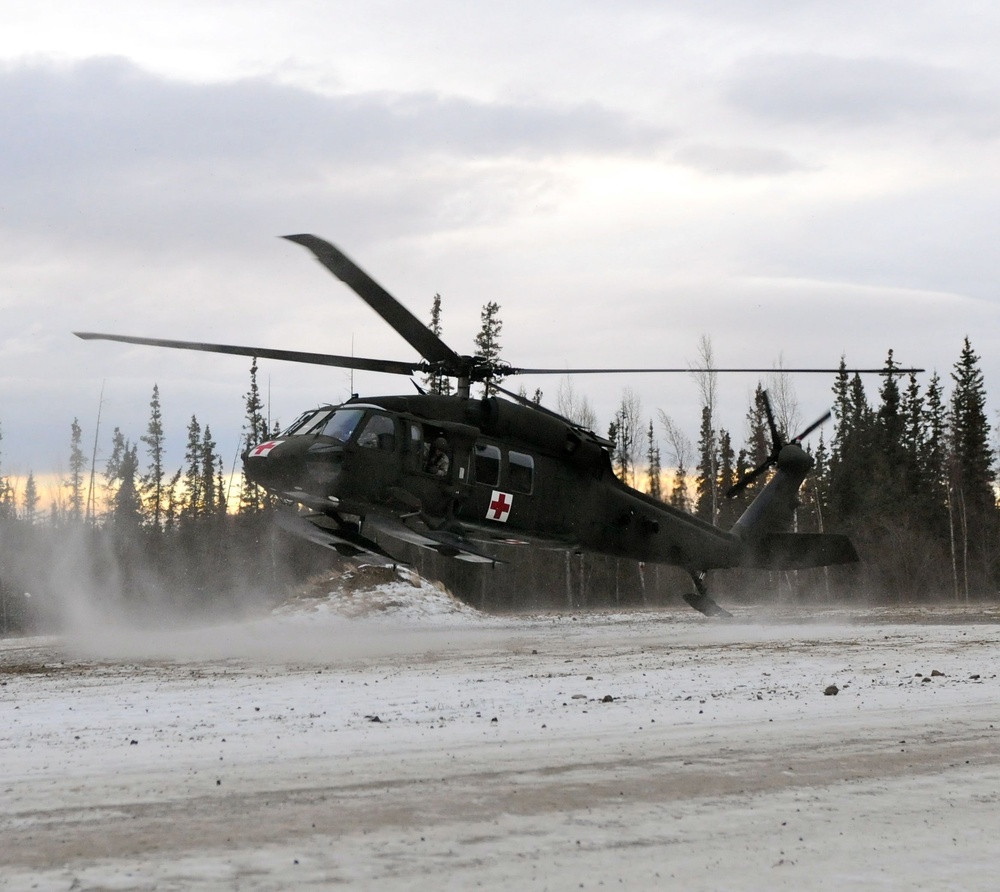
(704, 604)
(701, 601)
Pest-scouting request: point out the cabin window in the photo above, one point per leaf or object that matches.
(522, 471)
(341, 424)
(487, 464)
(378, 433)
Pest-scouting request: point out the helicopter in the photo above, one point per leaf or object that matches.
(461, 475)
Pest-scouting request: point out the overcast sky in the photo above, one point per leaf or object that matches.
(796, 181)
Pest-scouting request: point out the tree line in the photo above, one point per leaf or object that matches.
(141, 539)
(909, 473)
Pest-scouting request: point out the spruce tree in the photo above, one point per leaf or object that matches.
(706, 482)
(8, 508)
(678, 491)
(758, 431)
(654, 487)
(31, 499)
(706, 378)
(254, 422)
(850, 489)
(889, 456)
(821, 479)
(208, 484)
(743, 467)
(933, 455)
(913, 437)
(726, 464)
(77, 466)
(757, 450)
(174, 502)
(253, 500)
(113, 466)
(488, 345)
(126, 510)
(970, 431)
(436, 382)
(613, 438)
(221, 488)
(152, 482)
(193, 500)
(972, 474)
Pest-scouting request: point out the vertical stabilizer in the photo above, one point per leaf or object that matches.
(765, 527)
(774, 509)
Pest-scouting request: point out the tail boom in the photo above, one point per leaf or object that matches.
(800, 551)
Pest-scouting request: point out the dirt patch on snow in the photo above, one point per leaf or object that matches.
(369, 592)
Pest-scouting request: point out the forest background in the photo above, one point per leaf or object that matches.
(908, 472)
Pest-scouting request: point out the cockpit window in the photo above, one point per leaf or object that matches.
(294, 426)
(379, 433)
(342, 423)
(310, 422)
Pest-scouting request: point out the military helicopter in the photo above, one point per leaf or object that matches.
(459, 474)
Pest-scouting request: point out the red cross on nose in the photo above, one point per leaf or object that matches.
(264, 448)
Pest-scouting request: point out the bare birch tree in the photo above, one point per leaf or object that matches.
(679, 455)
(574, 406)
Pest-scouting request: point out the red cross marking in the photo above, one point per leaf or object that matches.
(264, 448)
(500, 505)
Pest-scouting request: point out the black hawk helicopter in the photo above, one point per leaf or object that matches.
(456, 474)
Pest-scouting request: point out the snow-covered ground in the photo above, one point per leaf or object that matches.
(388, 737)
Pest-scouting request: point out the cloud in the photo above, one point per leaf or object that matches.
(737, 160)
(106, 116)
(107, 111)
(933, 237)
(826, 89)
(104, 151)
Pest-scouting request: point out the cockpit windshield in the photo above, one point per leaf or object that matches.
(341, 424)
(310, 422)
(336, 423)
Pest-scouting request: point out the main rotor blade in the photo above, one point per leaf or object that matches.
(676, 371)
(348, 362)
(772, 426)
(748, 478)
(821, 420)
(409, 327)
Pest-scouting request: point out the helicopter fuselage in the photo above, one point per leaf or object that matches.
(514, 475)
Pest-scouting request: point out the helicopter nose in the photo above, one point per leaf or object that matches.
(274, 464)
(294, 463)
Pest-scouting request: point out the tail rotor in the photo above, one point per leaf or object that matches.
(776, 446)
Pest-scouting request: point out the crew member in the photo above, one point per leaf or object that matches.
(438, 461)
